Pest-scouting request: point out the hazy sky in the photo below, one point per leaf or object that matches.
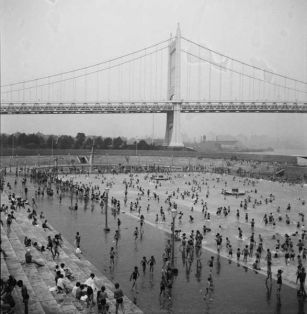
(43, 37)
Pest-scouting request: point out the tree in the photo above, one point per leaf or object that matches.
(21, 140)
(51, 142)
(35, 141)
(107, 142)
(65, 142)
(4, 141)
(99, 142)
(118, 142)
(11, 141)
(88, 143)
(142, 145)
(79, 140)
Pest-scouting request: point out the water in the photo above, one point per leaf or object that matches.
(236, 290)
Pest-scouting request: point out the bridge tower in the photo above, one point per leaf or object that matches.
(173, 133)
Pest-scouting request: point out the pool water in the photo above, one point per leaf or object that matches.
(236, 290)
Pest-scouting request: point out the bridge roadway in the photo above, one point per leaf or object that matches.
(121, 107)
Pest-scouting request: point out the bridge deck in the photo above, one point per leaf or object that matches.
(151, 107)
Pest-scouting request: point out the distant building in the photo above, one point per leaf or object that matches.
(208, 146)
(215, 146)
(228, 145)
(158, 141)
(301, 160)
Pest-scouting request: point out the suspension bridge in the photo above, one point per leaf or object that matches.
(172, 76)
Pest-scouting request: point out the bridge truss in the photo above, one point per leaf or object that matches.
(153, 107)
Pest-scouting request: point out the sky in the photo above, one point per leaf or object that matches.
(41, 37)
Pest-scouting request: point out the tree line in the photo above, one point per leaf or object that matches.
(80, 141)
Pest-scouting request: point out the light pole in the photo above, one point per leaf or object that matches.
(174, 214)
(107, 156)
(12, 151)
(106, 229)
(136, 153)
(12, 145)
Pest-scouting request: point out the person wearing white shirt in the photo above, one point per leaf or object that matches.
(76, 291)
(62, 284)
(91, 282)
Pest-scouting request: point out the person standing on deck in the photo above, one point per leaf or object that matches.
(25, 295)
(118, 296)
(279, 281)
(78, 239)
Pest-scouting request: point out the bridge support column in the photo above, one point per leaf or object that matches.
(173, 130)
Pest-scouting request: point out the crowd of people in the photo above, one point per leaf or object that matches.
(197, 186)
(149, 199)
(65, 281)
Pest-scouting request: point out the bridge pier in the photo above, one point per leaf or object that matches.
(173, 132)
(173, 129)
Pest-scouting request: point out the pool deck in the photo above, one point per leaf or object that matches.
(39, 280)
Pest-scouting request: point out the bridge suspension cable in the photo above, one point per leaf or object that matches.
(241, 73)
(246, 81)
(83, 75)
(87, 67)
(242, 62)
